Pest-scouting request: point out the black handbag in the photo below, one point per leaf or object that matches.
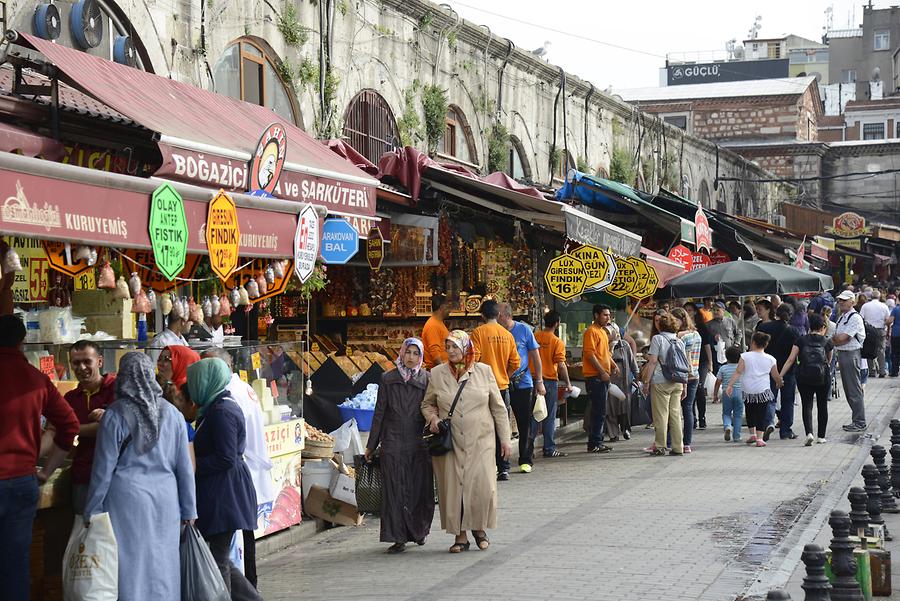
(368, 484)
(442, 442)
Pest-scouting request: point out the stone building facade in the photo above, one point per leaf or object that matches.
(365, 69)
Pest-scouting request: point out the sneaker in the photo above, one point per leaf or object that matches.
(702, 425)
(657, 453)
(728, 431)
(768, 433)
(613, 439)
(626, 434)
(854, 428)
(752, 440)
(809, 440)
(525, 468)
(687, 449)
(651, 449)
(601, 449)
(503, 476)
(821, 441)
(554, 453)
(761, 443)
(789, 436)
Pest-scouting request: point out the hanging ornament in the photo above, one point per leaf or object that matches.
(134, 284)
(141, 303)
(195, 311)
(121, 291)
(207, 307)
(12, 262)
(214, 306)
(151, 296)
(235, 296)
(106, 279)
(270, 275)
(278, 269)
(262, 284)
(92, 257)
(177, 308)
(252, 289)
(224, 306)
(185, 308)
(82, 253)
(165, 303)
(243, 297)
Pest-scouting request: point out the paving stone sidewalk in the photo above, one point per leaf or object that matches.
(718, 524)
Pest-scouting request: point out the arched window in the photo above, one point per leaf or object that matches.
(721, 202)
(563, 165)
(704, 194)
(247, 71)
(457, 142)
(738, 202)
(369, 125)
(517, 166)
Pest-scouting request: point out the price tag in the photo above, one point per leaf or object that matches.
(48, 366)
(274, 388)
(86, 281)
(255, 360)
(315, 347)
(349, 352)
(242, 373)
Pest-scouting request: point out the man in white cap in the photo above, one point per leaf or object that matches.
(848, 339)
(878, 315)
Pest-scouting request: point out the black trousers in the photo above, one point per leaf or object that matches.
(821, 394)
(237, 584)
(522, 401)
(895, 355)
(250, 557)
(503, 464)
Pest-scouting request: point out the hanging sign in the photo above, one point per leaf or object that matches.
(683, 255)
(61, 260)
(719, 256)
(168, 231)
(648, 280)
(340, 241)
(702, 232)
(626, 279)
(610, 273)
(31, 284)
(268, 160)
(306, 243)
(142, 263)
(565, 277)
(699, 261)
(596, 265)
(223, 235)
(375, 249)
(818, 250)
(849, 225)
(86, 280)
(800, 262)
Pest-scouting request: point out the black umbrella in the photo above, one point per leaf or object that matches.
(745, 278)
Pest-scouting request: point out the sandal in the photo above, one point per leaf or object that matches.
(481, 541)
(459, 547)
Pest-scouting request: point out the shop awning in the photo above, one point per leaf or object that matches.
(724, 235)
(208, 139)
(22, 141)
(665, 267)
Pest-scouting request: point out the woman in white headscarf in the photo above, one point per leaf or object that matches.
(407, 481)
(142, 475)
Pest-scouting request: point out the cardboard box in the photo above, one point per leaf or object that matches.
(120, 326)
(343, 488)
(98, 302)
(320, 504)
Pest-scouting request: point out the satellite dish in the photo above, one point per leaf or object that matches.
(817, 75)
(123, 51)
(86, 23)
(47, 22)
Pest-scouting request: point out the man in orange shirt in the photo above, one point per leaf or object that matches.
(435, 333)
(553, 361)
(496, 348)
(598, 367)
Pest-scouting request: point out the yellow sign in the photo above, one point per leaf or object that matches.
(648, 280)
(255, 360)
(243, 375)
(565, 277)
(223, 235)
(56, 254)
(31, 284)
(626, 279)
(86, 281)
(596, 264)
(855, 244)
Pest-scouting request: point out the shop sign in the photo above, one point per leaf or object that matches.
(626, 279)
(648, 280)
(610, 273)
(168, 230)
(31, 284)
(60, 259)
(565, 277)
(596, 265)
(339, 241)
(699, 261)
(86, 281)
(702, 232)
(142, 263)
(719, 256)
(306, 243)
(375, 249)
(284, 437)
(587, 231)
(849, 225)
(683, 255)
(828, 243)
(222, 235)
(851, 244)
(103, 159)
(819, 251)
(252, 271)
(48, 366)
(268, 160)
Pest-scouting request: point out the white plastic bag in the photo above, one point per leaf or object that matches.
(347, 441)
(91, 561)
(540, 408)
(720, 352)
(237, 550)
(710, 385)
(616, 392)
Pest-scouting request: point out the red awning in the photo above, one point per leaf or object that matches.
(208, 139)
(21, 141)
(665, 267)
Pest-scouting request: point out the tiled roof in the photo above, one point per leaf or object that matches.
(784, 86)
(845, 33)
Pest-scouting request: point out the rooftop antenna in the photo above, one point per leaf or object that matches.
(754, 30)
(829, 18)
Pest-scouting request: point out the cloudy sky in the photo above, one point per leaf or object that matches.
(623, 44)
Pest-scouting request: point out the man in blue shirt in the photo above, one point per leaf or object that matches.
(894, 323)
(521, 385)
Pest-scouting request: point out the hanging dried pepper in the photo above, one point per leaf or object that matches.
(445, 244)
(405, 296)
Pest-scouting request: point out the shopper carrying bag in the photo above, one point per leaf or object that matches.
(91, 561)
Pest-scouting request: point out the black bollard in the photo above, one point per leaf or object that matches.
(888, 505)
(843, 564)
(859, 514)
(815, 583)
(778, 595)
(895, 469)
(873, 504)
(895, 431)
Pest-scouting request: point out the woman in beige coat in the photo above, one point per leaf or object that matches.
(467, 475)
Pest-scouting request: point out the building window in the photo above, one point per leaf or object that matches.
(457, 141)
(873, 131)
(565, 163)
(246, 71)
(882, 39)
(517, 166)
(369, 125)
(774, 50)
(897, 131)
(679, 121)
(848, 76)
(703, 194)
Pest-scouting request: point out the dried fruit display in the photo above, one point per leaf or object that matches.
(405, 295)
(445, 245)
(313, 433)
(521, 281)
(382, 289)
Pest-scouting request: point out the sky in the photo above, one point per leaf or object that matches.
(624, 44)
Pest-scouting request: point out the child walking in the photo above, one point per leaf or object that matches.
(753, 372)
(732, 404)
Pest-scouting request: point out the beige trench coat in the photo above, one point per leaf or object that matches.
(467, 475)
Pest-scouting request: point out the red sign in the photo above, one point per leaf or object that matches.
(268, 160)
(800, 262)
(702, 233)
(375, 249)
(699, 261)
(48, 366)
(683, 255)
(849, 225)
(719, 256)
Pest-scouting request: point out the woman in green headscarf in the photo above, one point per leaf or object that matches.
(226, 499)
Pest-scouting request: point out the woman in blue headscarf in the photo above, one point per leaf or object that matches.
(226, 499)
(407, 481)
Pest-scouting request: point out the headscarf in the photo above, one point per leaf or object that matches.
(463, 343)
(182, 357)
(140, 397)
(206, 380)
(406, 372)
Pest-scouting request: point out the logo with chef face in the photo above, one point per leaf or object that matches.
(268, 160)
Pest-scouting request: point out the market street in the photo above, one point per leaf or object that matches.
(621, 526)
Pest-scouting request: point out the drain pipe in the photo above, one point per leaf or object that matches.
(509, 48)
(587, 108)
(553, 146)
(562, 85)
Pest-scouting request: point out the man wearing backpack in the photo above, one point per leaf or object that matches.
(812, 354)
(876, 314)
(848, 339)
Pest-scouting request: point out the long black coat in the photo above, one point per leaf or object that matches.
(407, 499)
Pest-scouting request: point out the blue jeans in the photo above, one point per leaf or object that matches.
(786, 413)
(687, 414)
(733, 413)
(549, 422)
(18, 505)
(597, 391)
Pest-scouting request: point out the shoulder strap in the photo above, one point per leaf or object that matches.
(456, 398)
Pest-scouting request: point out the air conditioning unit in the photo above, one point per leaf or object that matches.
(779, 220)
